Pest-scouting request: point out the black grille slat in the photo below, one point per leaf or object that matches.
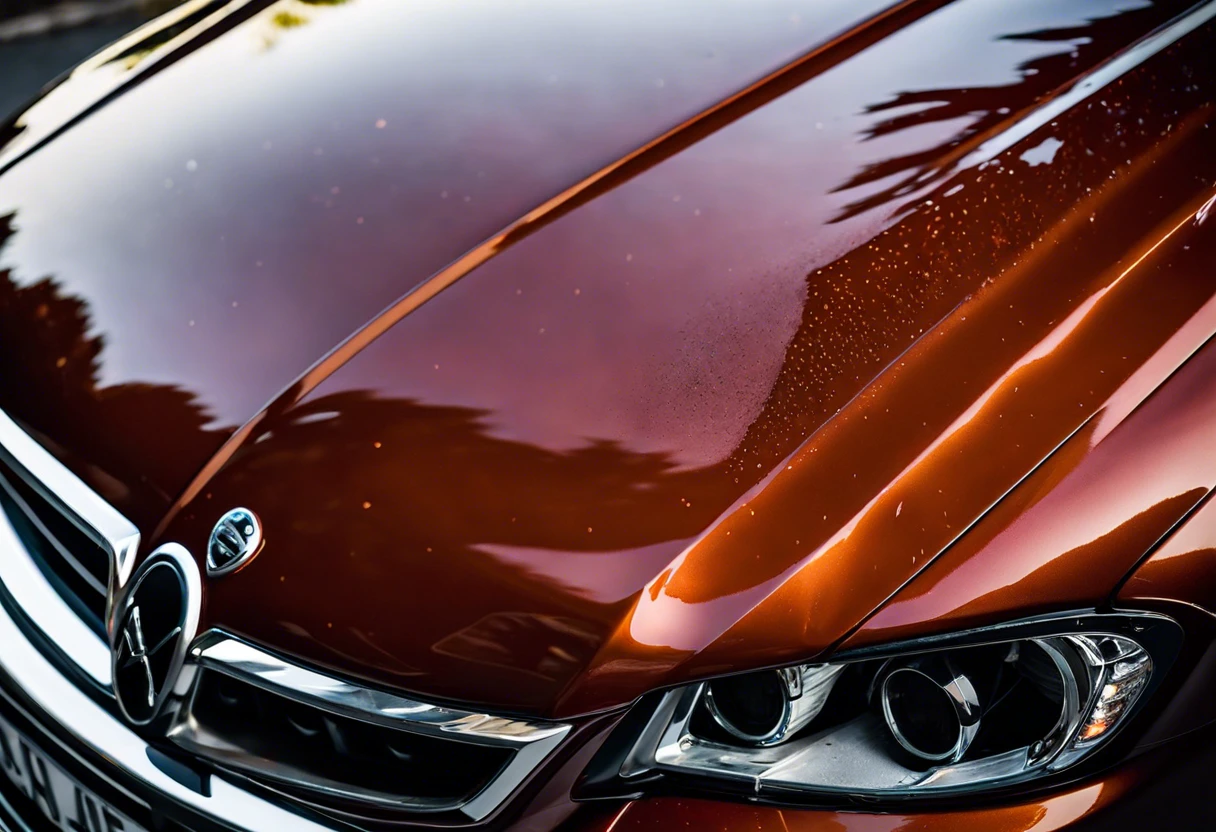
(77, 567)
(388, 765)
(96, 576)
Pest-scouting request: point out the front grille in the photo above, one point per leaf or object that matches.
(350, 751)
(345, 762)
(346, 749)
(76, 566)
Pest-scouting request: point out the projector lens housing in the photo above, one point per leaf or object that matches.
(931, 709)
(766, 708)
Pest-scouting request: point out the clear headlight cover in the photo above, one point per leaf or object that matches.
(981, 709)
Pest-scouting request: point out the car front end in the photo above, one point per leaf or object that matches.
(612, 416)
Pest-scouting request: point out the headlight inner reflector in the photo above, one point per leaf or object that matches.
(767, 708)
(930, 721)
(931, 709)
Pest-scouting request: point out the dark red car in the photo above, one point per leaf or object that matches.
(779, 415)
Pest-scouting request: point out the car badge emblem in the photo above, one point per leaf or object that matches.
(234, 541)
(135, 652)
(156, 619)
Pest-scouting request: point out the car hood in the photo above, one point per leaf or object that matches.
(204, 210)
(584, 394)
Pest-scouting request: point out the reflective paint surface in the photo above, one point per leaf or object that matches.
(266, 186)
(707, 412)
(1067, 534)
(1183, 568)
(1043, 816)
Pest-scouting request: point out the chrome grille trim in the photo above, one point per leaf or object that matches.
(32, 602)
(96, 518)
(532, 740)
(21, 577)
(200, 742)
(59, 702)
(42, 605)
(241, 660)
(64, 552)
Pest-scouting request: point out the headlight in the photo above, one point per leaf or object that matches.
(980, 709)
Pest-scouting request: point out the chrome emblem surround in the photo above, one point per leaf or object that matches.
(157, 617)
(234, 541)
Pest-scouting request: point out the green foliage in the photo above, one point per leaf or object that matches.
(287, 20)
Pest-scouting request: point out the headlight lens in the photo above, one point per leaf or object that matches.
(979, 710)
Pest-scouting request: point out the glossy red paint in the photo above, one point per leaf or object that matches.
(638, 447)
(1183, 567)
(1047, 815)
(1073, 528)
(272, 176)
(690, 381)
(694, 338)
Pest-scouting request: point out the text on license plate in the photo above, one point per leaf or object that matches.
(56, 794)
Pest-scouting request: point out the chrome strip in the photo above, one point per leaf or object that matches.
(92, 726)
(79, 503)
(68, 556)
(243, 661)
(521, 765)
(533, 740)
(41, 603)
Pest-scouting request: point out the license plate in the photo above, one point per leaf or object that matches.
(57, 795)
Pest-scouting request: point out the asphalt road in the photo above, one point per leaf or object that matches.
(28, 64)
